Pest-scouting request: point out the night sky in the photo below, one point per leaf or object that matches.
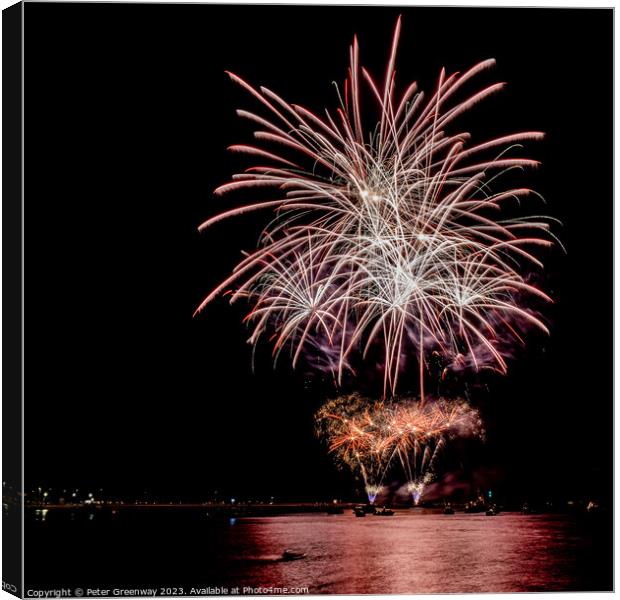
(128, 116)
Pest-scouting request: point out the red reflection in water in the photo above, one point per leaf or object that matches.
(412, 552)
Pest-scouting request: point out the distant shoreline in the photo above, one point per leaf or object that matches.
(259, 510)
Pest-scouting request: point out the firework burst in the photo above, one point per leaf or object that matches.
(376, 438)
(387, 235)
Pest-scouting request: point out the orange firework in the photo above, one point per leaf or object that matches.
(374, 438)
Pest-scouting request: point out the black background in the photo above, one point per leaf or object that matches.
(128, 116)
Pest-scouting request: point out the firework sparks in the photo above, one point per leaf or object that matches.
(384, 236)
(377, 438)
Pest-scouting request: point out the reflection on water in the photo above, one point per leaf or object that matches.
(412, 552)
(416, 553)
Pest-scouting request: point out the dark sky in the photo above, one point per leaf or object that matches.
(128, 116)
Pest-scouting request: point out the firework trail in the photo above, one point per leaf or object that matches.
(386, 235)
(351, 426)
(377, 438)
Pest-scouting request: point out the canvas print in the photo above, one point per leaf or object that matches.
(316, 300)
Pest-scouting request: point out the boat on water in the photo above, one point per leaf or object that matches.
(359, 511)
(292, 555)
(384, 512)
(448, 510)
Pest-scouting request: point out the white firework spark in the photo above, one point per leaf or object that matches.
(388, 236)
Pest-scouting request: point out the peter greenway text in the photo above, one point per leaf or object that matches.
(167, 591)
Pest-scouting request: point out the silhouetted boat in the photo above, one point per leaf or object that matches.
(448, 510)
(292, 555)
(384, 512)
(359, 511)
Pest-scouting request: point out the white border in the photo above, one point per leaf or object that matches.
(397, 3)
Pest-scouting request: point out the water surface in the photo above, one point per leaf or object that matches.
(413, 552)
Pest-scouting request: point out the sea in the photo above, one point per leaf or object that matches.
(183, 552)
